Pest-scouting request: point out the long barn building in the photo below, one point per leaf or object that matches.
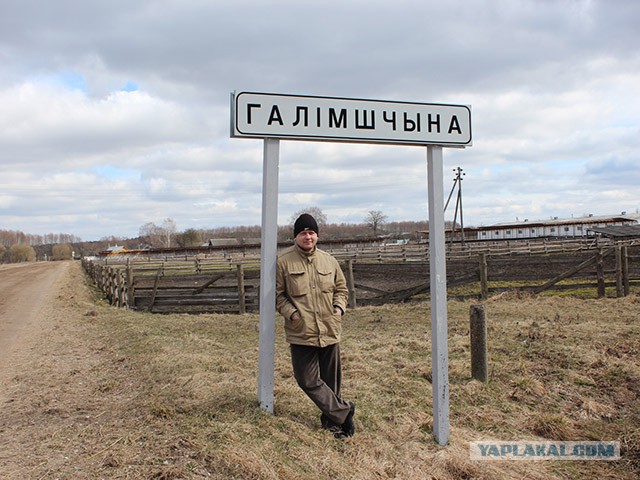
(555, 227)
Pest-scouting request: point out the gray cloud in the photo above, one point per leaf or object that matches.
(116, 113)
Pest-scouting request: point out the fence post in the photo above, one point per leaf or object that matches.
(111, 285)
(351, 285)
(241, 290)
(115, 286)
(156, 283)
(625, 270)
(600, 273)
(104, 285)
(96, 275)
(484, 280)
(131, 299)
(122, 298)
(478, 334)
(105, 282)
(619, 286)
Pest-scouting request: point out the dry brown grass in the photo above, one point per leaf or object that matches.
(174, 397)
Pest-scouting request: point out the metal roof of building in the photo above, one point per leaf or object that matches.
(617, 231)
(585, 220)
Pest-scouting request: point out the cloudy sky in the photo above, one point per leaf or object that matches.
(116, 113)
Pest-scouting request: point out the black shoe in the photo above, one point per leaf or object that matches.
(348, 427)
(328, 424)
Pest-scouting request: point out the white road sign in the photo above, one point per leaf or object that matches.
(272, 117)
(299, 117)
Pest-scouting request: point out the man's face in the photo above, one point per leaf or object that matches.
(306, 240)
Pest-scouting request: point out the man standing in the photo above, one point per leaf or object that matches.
(311, 295)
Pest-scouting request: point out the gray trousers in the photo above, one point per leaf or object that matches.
(318, 372)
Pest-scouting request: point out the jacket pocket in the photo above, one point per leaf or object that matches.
(334, 326)
(298, 284)
(296, 326)
(326, 281)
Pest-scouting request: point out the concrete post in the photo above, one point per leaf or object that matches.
(478, 333)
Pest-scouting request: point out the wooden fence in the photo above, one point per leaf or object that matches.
(175, 285)
(419, 252)
(229, 282)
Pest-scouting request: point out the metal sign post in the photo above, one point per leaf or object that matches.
(268, 258)
(438, 295)
(295, 117)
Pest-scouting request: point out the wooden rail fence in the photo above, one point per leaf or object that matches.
(230, 282)
(176, 286)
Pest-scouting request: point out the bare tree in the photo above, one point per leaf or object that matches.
(159, 235)
(169, 229)
(315, 212)
(375, 219)
(189, 238)
(151, 233)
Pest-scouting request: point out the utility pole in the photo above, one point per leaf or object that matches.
(457, 182)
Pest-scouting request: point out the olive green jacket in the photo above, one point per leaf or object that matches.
(312, 284)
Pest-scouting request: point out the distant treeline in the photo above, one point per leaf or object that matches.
(13, 237)
(330, 231)
(43, 244)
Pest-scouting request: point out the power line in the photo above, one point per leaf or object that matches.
(457, 182)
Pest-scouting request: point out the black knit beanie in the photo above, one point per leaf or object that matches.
(304, 222)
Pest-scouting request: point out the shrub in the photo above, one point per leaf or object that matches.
(21, 252)
(61, 251)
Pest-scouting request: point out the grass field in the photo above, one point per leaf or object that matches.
(560, 369)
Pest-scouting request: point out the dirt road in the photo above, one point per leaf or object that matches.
(71, 406)
(49, 373)
(24, 290)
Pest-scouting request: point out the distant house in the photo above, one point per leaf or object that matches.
(555, 227)
(231, 242)
(250, 241)
(114, 250)
(221, 242)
